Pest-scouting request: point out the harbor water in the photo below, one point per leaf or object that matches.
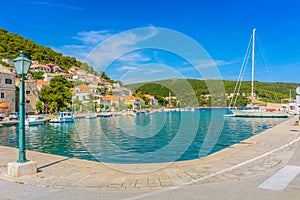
(145, 138)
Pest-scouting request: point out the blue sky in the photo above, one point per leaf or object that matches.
(222, 28)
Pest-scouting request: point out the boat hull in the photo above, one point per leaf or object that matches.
(62, 120)
(258, 114)
(32, 123)
(64, 117)
(34, 120)
(91, 117)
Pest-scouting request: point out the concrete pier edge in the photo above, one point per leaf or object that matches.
(252, 157)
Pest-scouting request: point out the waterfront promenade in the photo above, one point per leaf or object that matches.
(237, 172)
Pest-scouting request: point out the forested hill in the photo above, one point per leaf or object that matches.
(265, 91)
(11, 44)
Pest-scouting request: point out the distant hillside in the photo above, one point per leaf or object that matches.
(266, 91)
(11, 44)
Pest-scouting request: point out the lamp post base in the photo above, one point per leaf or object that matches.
(15, 169)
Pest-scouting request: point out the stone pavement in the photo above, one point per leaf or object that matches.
(69, 178)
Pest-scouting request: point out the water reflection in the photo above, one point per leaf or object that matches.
(157, 137)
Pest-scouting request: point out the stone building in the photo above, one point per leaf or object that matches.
(31, 94)
(7, 91)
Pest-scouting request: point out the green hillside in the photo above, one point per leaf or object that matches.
(11, 44)
(265, 91)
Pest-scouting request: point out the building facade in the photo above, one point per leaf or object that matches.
(7, 91)
(31, 95)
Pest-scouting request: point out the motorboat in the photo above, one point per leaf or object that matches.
(64, 117)
(34, 120)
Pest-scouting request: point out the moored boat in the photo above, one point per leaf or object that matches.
(252, 112)
(91, 116)
(64, 117)
(34, 120)
(259, 113)
(104, 115)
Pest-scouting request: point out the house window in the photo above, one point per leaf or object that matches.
(2, 95)
(28, 92)
(8, 81)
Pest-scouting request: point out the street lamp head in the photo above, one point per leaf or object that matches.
(22, 64)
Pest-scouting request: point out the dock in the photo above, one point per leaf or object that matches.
(235, 172)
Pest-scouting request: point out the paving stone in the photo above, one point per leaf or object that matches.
(62, 172)
(128, 183)
(115, 185)
(166, 183)
(231, 176)
(141, 183)
(154, 183)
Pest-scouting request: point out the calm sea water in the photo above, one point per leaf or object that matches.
(152, 138)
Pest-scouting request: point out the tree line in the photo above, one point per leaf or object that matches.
(11, 44)
(199, 95)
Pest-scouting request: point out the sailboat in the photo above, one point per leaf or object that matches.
(256, 112)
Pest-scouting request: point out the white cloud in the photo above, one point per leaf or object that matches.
(98, 47)
(56, 5)
(148, 69)
(122, 47)
(201, 64)
(125, 68)
(137, 56)
(93, 37)
(88, 41)
(148, 72)
(212, 63)
(127, 51)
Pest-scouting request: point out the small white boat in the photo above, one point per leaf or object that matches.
(34, 120)
(64, 117)
(105, 115)
(90, 116)
(259, 113)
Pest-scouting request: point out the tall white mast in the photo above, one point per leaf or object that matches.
(252, 82)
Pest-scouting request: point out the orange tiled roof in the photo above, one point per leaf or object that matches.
(149, 96)
(73, 72)
(83, 88)
(129, 98)
(106, 98)
(65, 74)
(111, 98)
(39, 65)
(30, 81)
(42, 82)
